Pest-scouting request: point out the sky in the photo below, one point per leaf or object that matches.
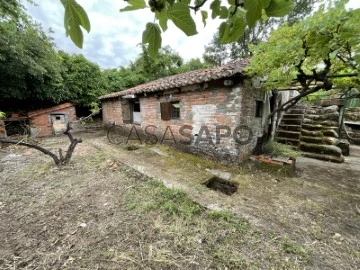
(114, 37)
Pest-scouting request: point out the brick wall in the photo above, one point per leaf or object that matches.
(213, 107)
(248, 118)
(112, 111)
(40, 120)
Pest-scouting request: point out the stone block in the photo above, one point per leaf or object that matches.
(345, 147)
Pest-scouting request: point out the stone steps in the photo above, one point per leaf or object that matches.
(288, 134)
(320, 149)
(289, 130)
(320, 140)
(322, 132)
(290, 127)
(313, 131)
(324, 157)
(308, 126)
(290, 121)
(289, 141)
(296, 111)
(293, 116)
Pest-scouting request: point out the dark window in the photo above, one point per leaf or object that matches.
(175, 110)
(170, 110)
(136, 106)
(259, 108)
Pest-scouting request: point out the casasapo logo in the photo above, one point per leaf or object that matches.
(185, 134)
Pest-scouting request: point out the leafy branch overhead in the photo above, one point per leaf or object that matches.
(319, 53)
(74, 17)
(235, 16)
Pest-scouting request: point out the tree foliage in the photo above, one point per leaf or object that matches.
(29, 65)
(217, 53)
(144, 69)
(234, 14)
(83, 81)
(11, 10)
(33, 72)
(320, 53)
(323, 45)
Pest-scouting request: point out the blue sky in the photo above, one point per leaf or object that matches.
(114, 37)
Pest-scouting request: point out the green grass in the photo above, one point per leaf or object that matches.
(172, 202)
(279, 149)
(179, 223)
(291, 247)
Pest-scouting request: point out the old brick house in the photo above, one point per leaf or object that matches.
(215, 111)
(41, 122)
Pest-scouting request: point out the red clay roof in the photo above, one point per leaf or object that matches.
(51, 109)
(185, 79)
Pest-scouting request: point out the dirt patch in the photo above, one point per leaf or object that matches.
(101, 213)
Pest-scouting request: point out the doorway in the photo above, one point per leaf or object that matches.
(59, 123)
(136, 112)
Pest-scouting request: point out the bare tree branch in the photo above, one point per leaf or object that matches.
(198, 6)
(39, 148)
(61, 160)
(73, 143)
(291, 102)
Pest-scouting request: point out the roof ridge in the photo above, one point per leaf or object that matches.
(185, 79)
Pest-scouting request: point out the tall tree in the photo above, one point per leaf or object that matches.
(83, 81)
(217, 52)
(144, 69)
(122, 78)
(166, 63)
(316, 54)
(11, 10)
(29, 66)
(193, 64)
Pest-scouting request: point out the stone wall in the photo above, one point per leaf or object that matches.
(204, 111)
(352, 118)
(314, 131)
(352, 114)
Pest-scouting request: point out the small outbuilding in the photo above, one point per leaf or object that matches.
(215, 111)
(41, 122)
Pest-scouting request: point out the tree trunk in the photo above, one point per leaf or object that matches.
(259, 148)
(59, 160)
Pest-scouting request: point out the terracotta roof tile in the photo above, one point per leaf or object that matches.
(185, 79)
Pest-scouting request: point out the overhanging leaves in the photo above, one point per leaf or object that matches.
(179, 13)
(279, 8)
(204, 16)
(215, 8)
(75, 16)
(254, 10)
(134, 5)
(231, 30)
(152, 37)
(162, 17)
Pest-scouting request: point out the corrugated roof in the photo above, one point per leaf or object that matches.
(185, 79)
